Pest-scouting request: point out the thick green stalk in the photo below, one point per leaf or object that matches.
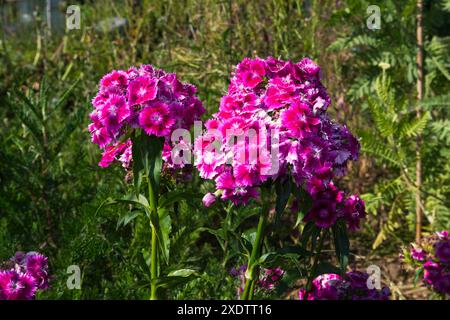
(252, 273)
(154, 251)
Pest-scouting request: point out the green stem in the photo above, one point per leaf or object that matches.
(252, 273)
(316, 261)
(154, 253)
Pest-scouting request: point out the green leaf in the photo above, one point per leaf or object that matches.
(413, 127)
(295, 252)
(341, 244)
(283, 191)
(147, 159)
(441, 68)
(176, 277)
(165, 227)
(127, 218)
(309, 229)
(132, 199)
(171, 197)
(431, 102)
(417, 275)
(248, 238)
(305, 203)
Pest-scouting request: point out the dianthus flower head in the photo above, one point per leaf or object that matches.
(16, 285)
(431, 257)
(276, 110)
(37, 266)
(353, 286)
(140, 98)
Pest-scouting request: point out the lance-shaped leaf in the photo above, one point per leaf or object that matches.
(341, 244)
(147, 159)
(176, 277)
(283, 190)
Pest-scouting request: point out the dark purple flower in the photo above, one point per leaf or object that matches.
(432, 272)
(354, 211)
(442, 284)
(443, 251)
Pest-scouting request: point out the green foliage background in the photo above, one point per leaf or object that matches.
(51, 186)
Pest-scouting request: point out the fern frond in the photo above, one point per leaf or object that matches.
(381, 117)
(441, 100)
(372, 145)
(442, 130)
(413, 127)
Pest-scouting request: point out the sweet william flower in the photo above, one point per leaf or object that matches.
(251, 72)
(268, 96)
(432, 271)
(442, 284)
(144, 98)
(112, 153)
(298, 118)
(208, 199)
(354, 211)
(353, 286)
(15, 285)
(431, 256)
(156, 119)
(115, 79)
(324, 211)
(36, 265)
(443, 251)
(141, 89)
(418, 254)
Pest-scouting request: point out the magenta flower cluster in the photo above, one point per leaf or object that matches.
(353, 286)
(146, 98)
(24, 275)
(432, 257)
(269, 96)
(269, 278)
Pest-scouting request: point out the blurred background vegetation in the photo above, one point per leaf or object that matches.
(51, 186)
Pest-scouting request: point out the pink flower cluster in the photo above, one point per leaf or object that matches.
(25, 274)
(432, 256)
(351, 287)
(268, 96)
(268, 280)
(146, 98)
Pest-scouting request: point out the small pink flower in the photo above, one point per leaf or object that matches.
(111, 153)
(141, 89)
(208, 199)
(299, 119)
(15, 285)
(117, 79)
(418, 254)
(156, 120)
(251, 72)
(100, 135)
(114, 112)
